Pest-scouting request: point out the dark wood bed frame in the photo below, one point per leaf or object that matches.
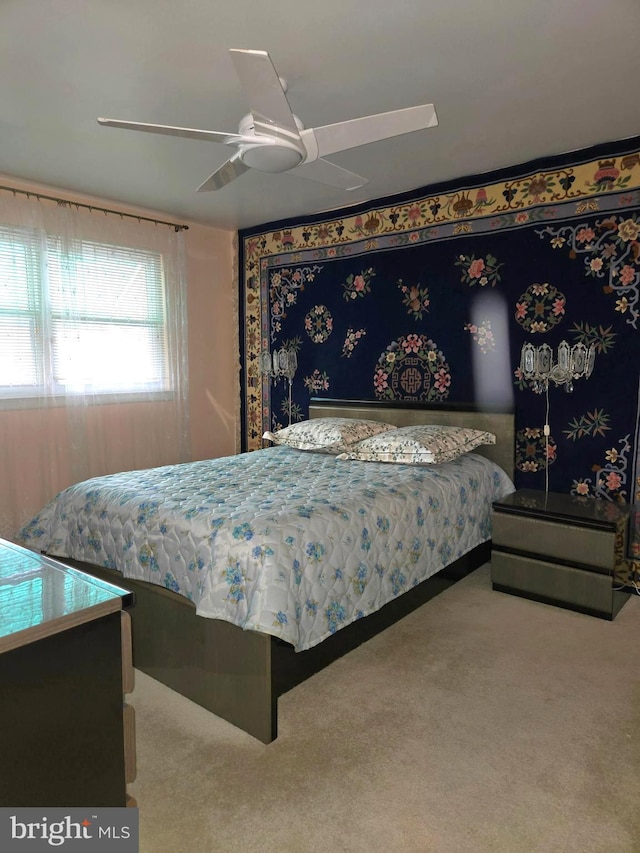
(238, 675)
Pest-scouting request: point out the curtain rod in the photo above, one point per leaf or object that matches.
(66, 203)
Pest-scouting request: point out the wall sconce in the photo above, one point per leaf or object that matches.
(573, 362)
(537, 366)
(281, 364)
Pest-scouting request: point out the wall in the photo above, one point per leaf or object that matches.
(431, 295)
(33, 472)
(213, 342)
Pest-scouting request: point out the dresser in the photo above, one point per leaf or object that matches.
(560, 549)
(68, 735)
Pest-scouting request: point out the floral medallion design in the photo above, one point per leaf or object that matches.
(483, 271)
(318, 324)
(482, 335)
(540, 308)
(531, 450)
(611, 250)
(358, 285)
(412, 368)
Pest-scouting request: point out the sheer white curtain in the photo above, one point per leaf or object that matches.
(93, 350)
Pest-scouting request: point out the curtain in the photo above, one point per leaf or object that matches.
(93, 350)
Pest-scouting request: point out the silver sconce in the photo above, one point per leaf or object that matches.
(537, 366)
(280, 364)
(573, 362)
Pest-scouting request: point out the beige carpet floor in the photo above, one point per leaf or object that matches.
(481, 723)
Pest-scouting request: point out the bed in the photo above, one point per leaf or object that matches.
(304, 569)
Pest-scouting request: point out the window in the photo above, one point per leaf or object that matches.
(80, 316)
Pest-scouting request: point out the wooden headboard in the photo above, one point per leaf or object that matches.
(500, 423)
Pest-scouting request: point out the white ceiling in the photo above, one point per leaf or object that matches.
(511, 80)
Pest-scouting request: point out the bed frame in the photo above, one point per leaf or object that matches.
(238, 675)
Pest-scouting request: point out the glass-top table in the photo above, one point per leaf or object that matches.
(40, 596)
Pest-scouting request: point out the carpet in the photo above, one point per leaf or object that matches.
(480, 722)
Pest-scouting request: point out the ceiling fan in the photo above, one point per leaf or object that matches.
(272, 139)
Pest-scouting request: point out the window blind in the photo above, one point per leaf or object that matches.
(80, 315)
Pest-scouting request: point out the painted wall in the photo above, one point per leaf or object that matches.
(27, 458)
(214, 365)
(431, 295)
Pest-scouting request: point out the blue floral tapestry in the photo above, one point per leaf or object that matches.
(430, 296)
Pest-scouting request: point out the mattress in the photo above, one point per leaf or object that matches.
(282, 541)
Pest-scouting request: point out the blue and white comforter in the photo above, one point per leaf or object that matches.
(292, 543)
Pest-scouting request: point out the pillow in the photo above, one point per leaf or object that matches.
(423, 444)
(327, 435)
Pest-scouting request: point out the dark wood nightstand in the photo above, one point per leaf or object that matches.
(560, 549)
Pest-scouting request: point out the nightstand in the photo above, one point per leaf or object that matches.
(560, 549)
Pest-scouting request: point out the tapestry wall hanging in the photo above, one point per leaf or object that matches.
(431, 295)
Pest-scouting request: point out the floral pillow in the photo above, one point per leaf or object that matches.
(327, 435)
(422, 444)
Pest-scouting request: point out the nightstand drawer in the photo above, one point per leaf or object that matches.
(575, 544)
(590, 592)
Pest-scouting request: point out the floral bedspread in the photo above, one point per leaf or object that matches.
(283, 541)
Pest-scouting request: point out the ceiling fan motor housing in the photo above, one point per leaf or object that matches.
(275, 156)
(270, 153)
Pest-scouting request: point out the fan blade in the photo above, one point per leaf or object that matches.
(187, 132)
(228, 172)
(267, 99)
(324, 172)
(360, 131)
